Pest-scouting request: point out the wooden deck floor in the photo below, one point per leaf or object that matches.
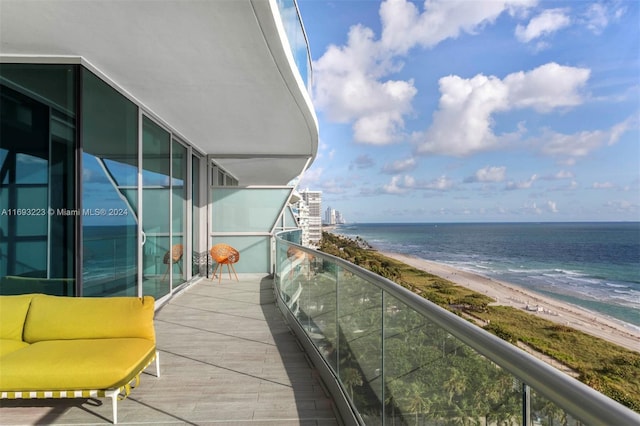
(227, 357)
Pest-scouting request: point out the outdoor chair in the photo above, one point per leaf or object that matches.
(224, 254)
(175, 254)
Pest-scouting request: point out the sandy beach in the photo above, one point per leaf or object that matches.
(517, 297)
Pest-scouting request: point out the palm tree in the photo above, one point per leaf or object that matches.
(350, 378)
(418, 402)
(455, 384)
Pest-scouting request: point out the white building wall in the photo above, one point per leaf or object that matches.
(313, 199)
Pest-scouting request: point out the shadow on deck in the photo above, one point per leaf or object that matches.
(226, 357)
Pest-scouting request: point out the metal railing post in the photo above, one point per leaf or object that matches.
(526, 405)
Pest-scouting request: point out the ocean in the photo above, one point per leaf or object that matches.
(594, 265)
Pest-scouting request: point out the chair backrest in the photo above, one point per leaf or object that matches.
(224, 253)
(175, 253)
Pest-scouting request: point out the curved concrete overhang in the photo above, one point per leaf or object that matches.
(220, 73)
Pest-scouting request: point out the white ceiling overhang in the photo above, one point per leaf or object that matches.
(220, 73)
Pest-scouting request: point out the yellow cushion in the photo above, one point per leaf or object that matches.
(75, 364)
(13, 312)
(10, 345)
(66, 318)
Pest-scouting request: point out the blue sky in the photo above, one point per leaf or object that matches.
(474, 111)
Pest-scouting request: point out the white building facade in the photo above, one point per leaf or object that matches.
(313, 199)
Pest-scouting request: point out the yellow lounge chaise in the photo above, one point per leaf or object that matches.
(69, 347)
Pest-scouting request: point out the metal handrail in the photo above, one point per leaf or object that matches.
(581, 401)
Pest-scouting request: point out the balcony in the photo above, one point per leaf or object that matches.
(363, 346)
(297, 39)
(226, 356)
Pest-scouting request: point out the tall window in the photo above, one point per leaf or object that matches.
(37, 175)
(93, 199)
(156, 186)
(179, 210)
(109, 190)
(199, 259)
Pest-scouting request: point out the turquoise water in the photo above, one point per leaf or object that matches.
(592, 265)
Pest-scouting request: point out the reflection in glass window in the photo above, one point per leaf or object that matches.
(37, 172)
(109, 190)
(179, 207)
(156, 167)
(199, 258)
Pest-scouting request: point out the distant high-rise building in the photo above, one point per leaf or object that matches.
(330, 216)
(313, 199)
(333, 217)
(301, 214)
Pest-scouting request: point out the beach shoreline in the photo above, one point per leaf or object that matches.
(507, 294)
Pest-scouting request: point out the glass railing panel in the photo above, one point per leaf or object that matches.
(432, 377)
(308, 286)
(294, 236)
(156, 267)
(400, 359)
(546, 413)
(360, 344)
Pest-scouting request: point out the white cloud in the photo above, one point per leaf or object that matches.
(400, 166)
(333, 186)
(463, 123)
(561, 175)
(532, 208)
(547, 87)
(381, 128)
(547, 22)
(599, 15)
(351, 82)
(571, 185)
(597, 18)
(399, 185)
(310, 178)
(570, 147)
(349, 88)
(322, 149)
(488, 174)
(402, 184)
(440, 184)
(404, 27)
(521, 185)
(623, 206)
(603, 185)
